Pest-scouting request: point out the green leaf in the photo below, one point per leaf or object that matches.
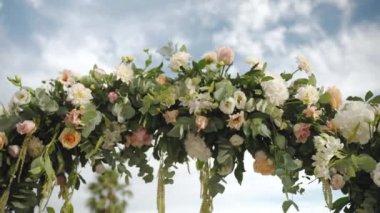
(354, 98)
(364, 162)
(340, 203)
(90, 119)
(312, 80)
(223, 89)
(368, 95)
(147, 102)
(287, 204)
(286, 76)
(280, 141)
(50, 209)
(375, 100)
(325, 98)
(16, 80)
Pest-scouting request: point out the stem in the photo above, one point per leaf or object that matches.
(161, 189)
(206, 197)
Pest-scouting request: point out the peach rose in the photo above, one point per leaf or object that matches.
(225, 55)
(201, 122)
(73, 117)
(171, 116)
(337, 182)
(302, 132)
(335, 97)
(26, 127)
(329, 127)
(112, 97)
(264, 167)
(69, 138)
(66, 77)
(162, 79)
(139, 138)
(236, 120)
(312, 112)
(3, 140)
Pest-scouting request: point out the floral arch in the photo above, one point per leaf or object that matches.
(287, 124)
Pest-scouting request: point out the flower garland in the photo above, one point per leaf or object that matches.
(287, 124)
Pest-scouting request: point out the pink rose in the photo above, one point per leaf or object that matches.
(337, 182)
(302, 132)
(139, 138)
(112, 97)
(14, 151)
(73, 117)
(26, 127)
(225, 55)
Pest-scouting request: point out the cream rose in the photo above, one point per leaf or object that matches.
(3, 140)
(201, 122)
(240, 99)
(236, 140)
(227, 106)
(21, 97)
(79, 95)
(236, 120)
(171, 116)
(178, 60)
(124, 73)
(210, 57)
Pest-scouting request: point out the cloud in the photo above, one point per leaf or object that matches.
(35, 3)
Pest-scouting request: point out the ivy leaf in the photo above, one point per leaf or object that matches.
(368, 95)
(375, 100)
(287, 204)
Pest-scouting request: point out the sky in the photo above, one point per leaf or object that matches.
(39, 38)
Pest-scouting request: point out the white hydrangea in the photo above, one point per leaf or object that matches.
(179, 59)
(236, 140)
(240, 99)
(303, 64)
(79, 95)
(227, 106)
(354, 122)
(198, 102)
(327, 147)
(21, 97)
(275, 90)
(376, 175)
(251, 60)
(196, 147)
(309, 95)
(124, 73)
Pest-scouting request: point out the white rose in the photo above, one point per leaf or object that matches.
(275, 90)
(196, 147)
(178, 60)
(240, 99)
(236, 140)
(376, 178)
(124, 73)
(309, 95)
(21, 97)
(227, 106)
(303, 64)
(255, 61)
(249, 106)
(78, 94)
(210, 57)
(353, 122)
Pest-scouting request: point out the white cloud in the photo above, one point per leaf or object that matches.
(35, 3)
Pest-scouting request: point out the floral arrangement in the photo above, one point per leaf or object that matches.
(288, 125)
